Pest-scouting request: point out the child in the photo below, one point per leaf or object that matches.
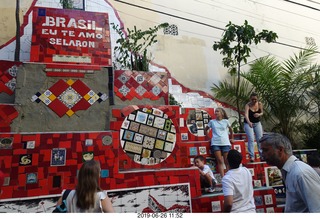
(207, 179)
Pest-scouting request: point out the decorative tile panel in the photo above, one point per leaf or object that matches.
(8, 74)
(141, 85)
(67, 97)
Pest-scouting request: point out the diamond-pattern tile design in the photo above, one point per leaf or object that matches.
(67, 97)
(141, 85)
(8, 74)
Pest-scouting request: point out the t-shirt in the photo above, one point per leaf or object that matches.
(220, 132)
(72, 203)
(238, 183)
(206, 169)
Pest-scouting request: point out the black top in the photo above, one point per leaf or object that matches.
(251, 117)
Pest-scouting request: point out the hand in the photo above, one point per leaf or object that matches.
(250, 124)
(256, 115)
(232, 140)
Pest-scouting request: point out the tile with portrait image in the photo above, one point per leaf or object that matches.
(128, 135)
(268, 199)
(86, 156)
(32, 178)
(30, 144)
(58, 157)
(216, 206)
(193, 151)
(25, 160)
(260, 210)
(203, 150)
(258, 200)
(184, 136)
(270, 210)
(141, 117)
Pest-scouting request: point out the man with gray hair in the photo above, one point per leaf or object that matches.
(301, 181)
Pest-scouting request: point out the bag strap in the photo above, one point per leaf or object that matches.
(65, 194)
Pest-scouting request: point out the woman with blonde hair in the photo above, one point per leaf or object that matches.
(88, 197)
(220, 142)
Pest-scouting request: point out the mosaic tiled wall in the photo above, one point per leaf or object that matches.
(37, 164)
(7, 114)
(70, 36)
(62, 103)
(141, 85)
(8, 74)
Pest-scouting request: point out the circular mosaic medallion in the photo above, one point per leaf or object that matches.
(107, 140)
(148, 135)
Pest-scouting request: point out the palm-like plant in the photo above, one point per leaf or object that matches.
(284, 89)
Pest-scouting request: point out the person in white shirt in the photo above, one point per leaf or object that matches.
(237, 186)
(207, 179)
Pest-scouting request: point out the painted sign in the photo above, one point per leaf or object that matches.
(70, 37)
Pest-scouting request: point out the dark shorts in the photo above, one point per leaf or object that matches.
(222, 148)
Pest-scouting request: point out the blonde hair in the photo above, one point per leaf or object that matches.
(224, 114)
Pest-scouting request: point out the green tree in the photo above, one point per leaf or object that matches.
(133, 46)
(235, 46)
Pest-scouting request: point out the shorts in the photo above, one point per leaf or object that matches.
(222, 148)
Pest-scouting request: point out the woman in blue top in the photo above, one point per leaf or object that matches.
(220, 143)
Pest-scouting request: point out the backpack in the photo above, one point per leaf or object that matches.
(63, 207)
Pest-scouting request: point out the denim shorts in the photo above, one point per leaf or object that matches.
(222, 148)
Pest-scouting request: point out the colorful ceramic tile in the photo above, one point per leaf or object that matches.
(138, 138)
(150, 120)
(32, 178)
(203, 150)
(30, 144)
(258, 200)
(162, 134)
(268, 199)
(168, 146)
(88, 142)
(157, 112)
(107, 140)
(104, 173)
(133, 147)
(184, 136)
(58, 157)
(147, 130)
(86, 156)
(193, 151)
(171, 137)
(141, 117)
(148, 142)
(25, 160)
(216, 206)
(159, 122)
(134, 126)
(128, 135)
(6, 143)
(159, 144)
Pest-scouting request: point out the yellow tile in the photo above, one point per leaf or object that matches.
(52, 97)
(70, 112)
(86, 97)
(70, 82)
